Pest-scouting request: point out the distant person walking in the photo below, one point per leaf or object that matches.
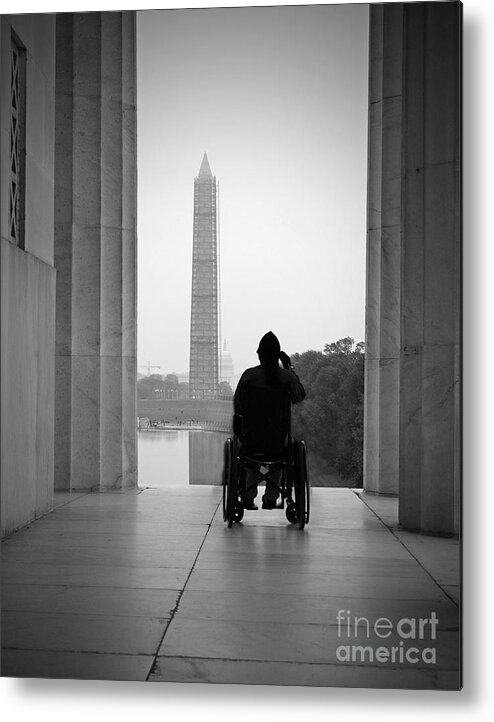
(267, 375)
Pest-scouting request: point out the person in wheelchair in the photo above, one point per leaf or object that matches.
(267, 375)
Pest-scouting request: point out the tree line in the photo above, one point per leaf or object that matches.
(159, 386)
(330, 419)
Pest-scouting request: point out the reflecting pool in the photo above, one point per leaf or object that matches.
(178, 457)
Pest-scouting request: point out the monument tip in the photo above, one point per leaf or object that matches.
(205, 170)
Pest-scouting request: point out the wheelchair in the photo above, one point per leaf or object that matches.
(262, 440)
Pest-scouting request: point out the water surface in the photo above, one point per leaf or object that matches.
(179, 458)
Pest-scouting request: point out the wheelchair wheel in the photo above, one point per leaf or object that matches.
(232, 511)
(238, 512)
(307, 483)
(291, 513)
(302, 488)
(226, 474)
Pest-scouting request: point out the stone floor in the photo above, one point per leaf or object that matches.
(153, 586)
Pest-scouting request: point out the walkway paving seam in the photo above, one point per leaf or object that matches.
(181, 592)
(70, 500)
(441, 587)
(115, 615)
(77, 651)
(308, 663)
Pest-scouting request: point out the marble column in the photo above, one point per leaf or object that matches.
(429, 388)
(95, 251)
(382, 365)
(413, 374)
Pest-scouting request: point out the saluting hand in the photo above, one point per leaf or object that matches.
(285, 360)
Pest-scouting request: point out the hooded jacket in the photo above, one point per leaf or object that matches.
(269, 373)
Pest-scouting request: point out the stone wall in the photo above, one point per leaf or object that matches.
(28, 283)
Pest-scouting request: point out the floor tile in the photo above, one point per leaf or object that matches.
(125, 527)
(289, 533)
(440, 557)
(81, 633)
(75, 665)
(307, 547)
(96, 576)
(117, 601)
(306, 609)
(106, 556)
(335, 585)
(308, 643)
(61, 498)
(221, 671)
(318, 564)
(184, 538)
(453, 592)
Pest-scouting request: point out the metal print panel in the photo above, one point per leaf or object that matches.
(231, 401)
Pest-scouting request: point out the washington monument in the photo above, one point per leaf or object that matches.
(204, 317)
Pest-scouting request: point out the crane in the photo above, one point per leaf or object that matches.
(149, 368)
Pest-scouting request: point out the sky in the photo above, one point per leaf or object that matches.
(277, 97)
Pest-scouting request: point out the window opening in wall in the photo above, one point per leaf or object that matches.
(17, 142)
